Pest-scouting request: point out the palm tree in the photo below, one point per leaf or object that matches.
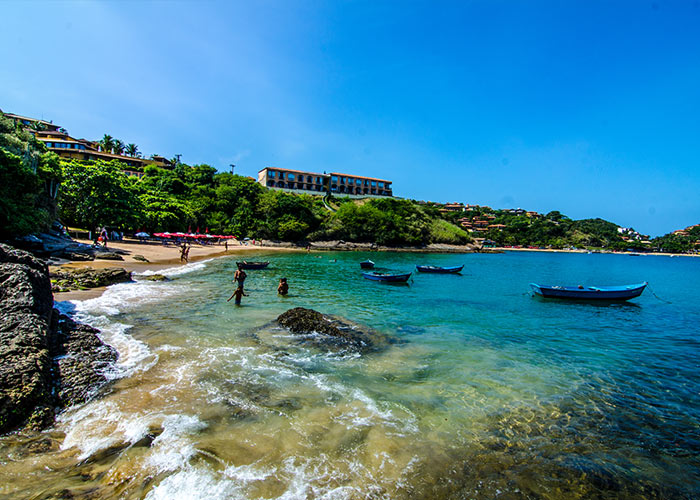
(107, 143)
(133, 150)
(119, 147)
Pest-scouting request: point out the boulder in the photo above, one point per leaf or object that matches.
(108, 256)
(331, 332)
(64, 280)
(80, 361)
(46, 361)
(141, 258)
(156, 277)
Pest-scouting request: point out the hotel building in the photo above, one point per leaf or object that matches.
(314, 183)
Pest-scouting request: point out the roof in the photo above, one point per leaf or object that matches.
(360, 177)
(20, 117)
(292, 170)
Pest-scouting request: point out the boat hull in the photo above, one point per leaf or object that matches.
(252, 265)
(391, 278)
(610, 293)
(368, 264)
(439, 270)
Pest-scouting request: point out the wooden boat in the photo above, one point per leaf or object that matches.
(367, 264)
(252, 265)
(393, 278)
(617, 293)
(441, 270)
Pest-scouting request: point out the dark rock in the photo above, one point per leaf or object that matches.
(78, 256)
(108, 256)
(156, 277)
(141, 258)
(45, 361)
(64, 280)
(80, 360)
(331, 332)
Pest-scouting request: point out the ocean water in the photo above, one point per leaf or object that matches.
(484, 392)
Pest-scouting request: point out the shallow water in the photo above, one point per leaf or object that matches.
(486, 391)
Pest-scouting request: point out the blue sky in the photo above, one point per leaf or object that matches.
(591, 108)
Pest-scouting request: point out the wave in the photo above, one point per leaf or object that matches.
(178, 270)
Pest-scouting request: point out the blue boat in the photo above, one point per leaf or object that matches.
(393, 278)
(612, 293)
(441, 270)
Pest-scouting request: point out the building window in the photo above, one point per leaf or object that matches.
(271, 174)
(374, 184)
(318, 180)
(290, 177)
(380, 184)
(334, 179)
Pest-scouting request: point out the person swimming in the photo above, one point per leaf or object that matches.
(283, 287)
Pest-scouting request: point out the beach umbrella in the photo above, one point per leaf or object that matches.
(142, 235)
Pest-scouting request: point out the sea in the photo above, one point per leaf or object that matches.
(484, 391)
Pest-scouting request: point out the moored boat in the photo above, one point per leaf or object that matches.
(394, 278)
(441, 270)
(619, 293)
(252, 265)
(367, 264)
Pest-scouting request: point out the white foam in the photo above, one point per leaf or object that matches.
(172, 449)
(194, 483)
(177, 271)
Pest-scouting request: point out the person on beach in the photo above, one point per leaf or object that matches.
(238, 293)
(184, 253)
(226, 245)
(239, 276)
(103, 235)
(283, 287)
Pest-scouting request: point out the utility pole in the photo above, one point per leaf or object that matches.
(232, 167)
(178, 158)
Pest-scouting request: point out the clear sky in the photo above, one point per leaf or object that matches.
(591, 107)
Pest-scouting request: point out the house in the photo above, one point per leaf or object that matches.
(335, 182)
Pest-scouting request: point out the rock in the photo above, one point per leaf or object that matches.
(156, 277)
(141, 258)
(331, 332)
(80, 360)
(46, 361)
(64, 280)
(26, 306)
(78, 256)
(108, 256)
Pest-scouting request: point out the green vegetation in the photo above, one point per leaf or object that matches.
(679, 243)
(36, 187)
(29, 177)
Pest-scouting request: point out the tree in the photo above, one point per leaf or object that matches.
(98, 193)
(107, 143)
(133, 150)
(19, 193)
(118, 147)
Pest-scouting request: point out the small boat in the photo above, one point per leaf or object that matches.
(394, 278)
(618, 293)
(252, 265)
(441, 270)
(367, 264)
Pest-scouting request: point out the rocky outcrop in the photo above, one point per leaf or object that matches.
(331, 332)
(80, 361)
(64, 280)
(26, 306)
(108, 256)
(46, 361)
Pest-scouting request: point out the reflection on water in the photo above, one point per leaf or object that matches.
(488, 394)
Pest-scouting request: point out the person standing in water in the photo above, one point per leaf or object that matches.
(283, 287)
(239, 276)
(238, 293)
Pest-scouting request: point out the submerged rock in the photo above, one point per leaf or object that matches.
(141, 258)
(64, 280)
(331, 332)
(46, 361)
(156, 277)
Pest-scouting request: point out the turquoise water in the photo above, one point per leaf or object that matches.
(486, 391)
